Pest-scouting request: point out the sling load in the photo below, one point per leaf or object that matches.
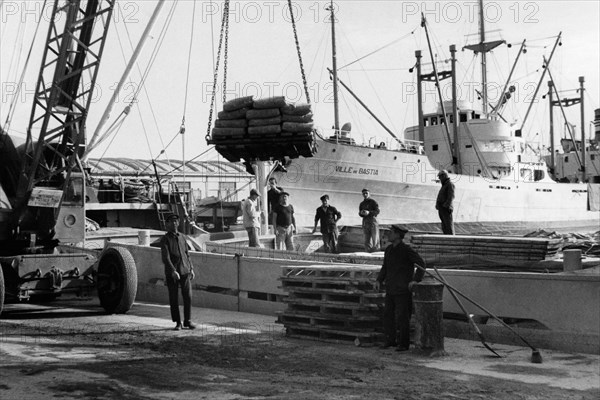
(260, 129)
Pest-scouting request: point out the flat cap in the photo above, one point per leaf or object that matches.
(171, 217)
(399, 228)
(284, 194)
(365, 190)
(254, 192)
(325, 196)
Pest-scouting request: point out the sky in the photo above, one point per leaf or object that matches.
(378, 39)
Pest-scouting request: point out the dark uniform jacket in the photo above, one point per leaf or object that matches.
(175, 256)
(371, 206)
(445, 195)
(328, 218)
(398, 268)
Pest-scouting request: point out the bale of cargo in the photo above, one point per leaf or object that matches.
(221, 133)
(236, 114)
(231, 123)
(297, 118)
(270, 102)
(264, 121)
(296, 109)
(297, 127)
(264, 130)
(239, 103)
(263, 113)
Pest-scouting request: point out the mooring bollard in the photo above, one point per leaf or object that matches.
(429, 317)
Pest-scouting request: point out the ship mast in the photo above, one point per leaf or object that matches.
(483, 47)
(336, 111)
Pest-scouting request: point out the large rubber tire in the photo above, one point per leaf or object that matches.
(117, 280)
(2, 290)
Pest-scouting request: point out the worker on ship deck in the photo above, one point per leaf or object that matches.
(368, 210)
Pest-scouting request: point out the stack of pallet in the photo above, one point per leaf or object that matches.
(263, 129)
(505, 248)
(332, 303)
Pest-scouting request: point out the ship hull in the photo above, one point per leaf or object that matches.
(405, 185)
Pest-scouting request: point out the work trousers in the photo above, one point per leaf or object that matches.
(330, 240)
(186, 292)
(284, 236)
(447, 222)
(371, 234)
(253, 237)
(396, 319)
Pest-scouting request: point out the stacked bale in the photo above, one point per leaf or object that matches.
(269, 128)
(231, 122)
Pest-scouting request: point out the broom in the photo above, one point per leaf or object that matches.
(536, 356)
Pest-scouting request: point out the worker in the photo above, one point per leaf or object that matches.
(273, 195)
(251, 216)
(444, 201)
(284, 223)
(368, 211)
(398, 274)
(179, 272)
(328, 216)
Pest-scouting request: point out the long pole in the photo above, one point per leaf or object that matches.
(439, 90)
(420, 97)
(551, 99)
(496, 109)
(336, 112)
(455, 112)
(581, 91)
(95, 137)
(484, 95)
(368, 110)
(537, 88)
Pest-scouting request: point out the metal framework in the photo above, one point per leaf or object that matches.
(74, 46)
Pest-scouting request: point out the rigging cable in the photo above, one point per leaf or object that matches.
(11, 108)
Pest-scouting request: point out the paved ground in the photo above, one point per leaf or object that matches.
(73, 350)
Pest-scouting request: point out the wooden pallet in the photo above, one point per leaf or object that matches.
(333, 303)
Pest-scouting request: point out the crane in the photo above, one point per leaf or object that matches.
(42, 182)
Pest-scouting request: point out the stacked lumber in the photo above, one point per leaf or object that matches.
(509, 249)
(336, 303)
(263, 129)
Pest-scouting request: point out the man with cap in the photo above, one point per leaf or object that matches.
(251, 215)
(444, 203)
(398, 275)
(284, 223)
(273, 195)
(368, 211)
(179, 272)
(328, 216)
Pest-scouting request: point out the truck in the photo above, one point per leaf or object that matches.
(43, 181)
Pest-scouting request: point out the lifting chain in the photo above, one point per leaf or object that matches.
(224, 25)
(299, 53)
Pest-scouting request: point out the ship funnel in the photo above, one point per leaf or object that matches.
(346, 128)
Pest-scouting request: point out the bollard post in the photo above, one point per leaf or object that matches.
(429, 335)
(572, 260)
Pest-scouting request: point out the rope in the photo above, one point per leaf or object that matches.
(187, 79)
(299, 52)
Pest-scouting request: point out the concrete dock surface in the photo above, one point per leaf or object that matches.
(39, 343)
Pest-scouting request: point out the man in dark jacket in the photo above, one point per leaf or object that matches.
(398, 274)
(179, 272)
(444, 203)
(368, 210)
(328, 216)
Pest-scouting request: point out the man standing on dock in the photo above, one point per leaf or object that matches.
(251, 215)
(368, 211)
(179, 272)
(398, 274)
(284, 223)
(273, 195)
(444, 203)
(328, 216)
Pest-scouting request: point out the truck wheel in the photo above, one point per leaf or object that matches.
(1, 289)
(117, 280)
